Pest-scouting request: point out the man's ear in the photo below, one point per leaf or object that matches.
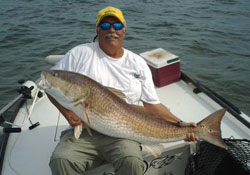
(125, 30)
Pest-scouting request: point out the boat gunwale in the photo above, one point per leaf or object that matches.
(3, 145)
(232, 109)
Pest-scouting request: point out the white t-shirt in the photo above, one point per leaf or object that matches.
(129, 74)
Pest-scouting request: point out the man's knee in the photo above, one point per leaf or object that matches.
(132, 165)
(58, 166)
(129, 161)
(61, 166)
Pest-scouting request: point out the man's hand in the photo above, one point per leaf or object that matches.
(161, 111)
(73, 119)
(190, 137)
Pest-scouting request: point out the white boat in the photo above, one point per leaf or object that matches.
(38, 125)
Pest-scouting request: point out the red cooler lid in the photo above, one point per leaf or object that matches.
(159, 58)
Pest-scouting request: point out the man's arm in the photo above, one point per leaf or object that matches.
(71, 117)
(159, 110)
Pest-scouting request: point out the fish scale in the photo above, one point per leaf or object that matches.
(140, 124)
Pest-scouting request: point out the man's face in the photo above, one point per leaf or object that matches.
(111, 37)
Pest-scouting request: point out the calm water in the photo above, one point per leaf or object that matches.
(212, 37)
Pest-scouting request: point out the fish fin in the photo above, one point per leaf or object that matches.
(89, 130)
(154, 149)
(82, 99)
(85, 112)
(77, 131)
(209, 128)
(117, 92)
(78, 103)
(139, 108)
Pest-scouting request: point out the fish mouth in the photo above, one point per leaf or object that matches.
(44, 84)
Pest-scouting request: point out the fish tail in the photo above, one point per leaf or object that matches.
(209, 128)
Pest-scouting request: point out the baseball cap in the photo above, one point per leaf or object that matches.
(110, 11)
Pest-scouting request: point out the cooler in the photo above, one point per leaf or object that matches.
(165, 66)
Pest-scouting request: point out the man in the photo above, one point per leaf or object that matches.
(113, 66)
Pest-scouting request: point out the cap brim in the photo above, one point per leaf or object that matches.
(99, 21)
